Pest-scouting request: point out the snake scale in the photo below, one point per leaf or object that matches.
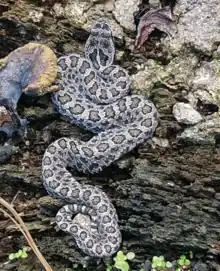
(94, 93)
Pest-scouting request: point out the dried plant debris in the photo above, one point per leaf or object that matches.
(161, 19)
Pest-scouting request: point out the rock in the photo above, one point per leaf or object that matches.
(204, 132)
(198, 24)
(147, 75)
(185, 113)
(162, 142)
(36, 16)
(200, 267)
(6, 152)
(75, 12)
(206, 81)
(83, 14)
(124, 13)
(147, 265)
(178, 73)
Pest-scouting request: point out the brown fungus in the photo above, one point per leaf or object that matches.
(30, 69)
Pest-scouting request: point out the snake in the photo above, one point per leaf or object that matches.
(93, 93)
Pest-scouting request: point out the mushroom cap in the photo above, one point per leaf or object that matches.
(36, 64)
(30, 69)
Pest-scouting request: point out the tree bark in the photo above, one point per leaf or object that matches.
(167, 198)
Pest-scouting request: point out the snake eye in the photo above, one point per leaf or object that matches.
(105, 26)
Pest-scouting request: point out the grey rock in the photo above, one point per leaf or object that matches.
(147, 265)
(124, 12)
(6, 152)
(198, 24)
(204, 132)
(200, 267)
(206, 81)
(185, 113)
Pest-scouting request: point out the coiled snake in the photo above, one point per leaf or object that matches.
(93, 93)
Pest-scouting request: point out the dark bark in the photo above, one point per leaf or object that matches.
(167, 198)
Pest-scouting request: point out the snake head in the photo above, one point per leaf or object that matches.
(99, 47)
(101, 27)
(30, 69)
(161, 19)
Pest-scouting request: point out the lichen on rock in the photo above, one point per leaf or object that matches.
(206, 82)
(198, 25)
(124, 12)
(204, 133)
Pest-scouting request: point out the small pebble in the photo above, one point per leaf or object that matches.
(185, 113)
(200, 267)
(6, 152)
(147, 266)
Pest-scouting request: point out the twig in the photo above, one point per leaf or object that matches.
(22, 227)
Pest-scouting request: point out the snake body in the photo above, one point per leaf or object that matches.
(93, 93)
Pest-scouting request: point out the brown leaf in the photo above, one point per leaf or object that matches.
(161, 19)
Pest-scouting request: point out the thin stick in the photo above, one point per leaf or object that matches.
(22, 227)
